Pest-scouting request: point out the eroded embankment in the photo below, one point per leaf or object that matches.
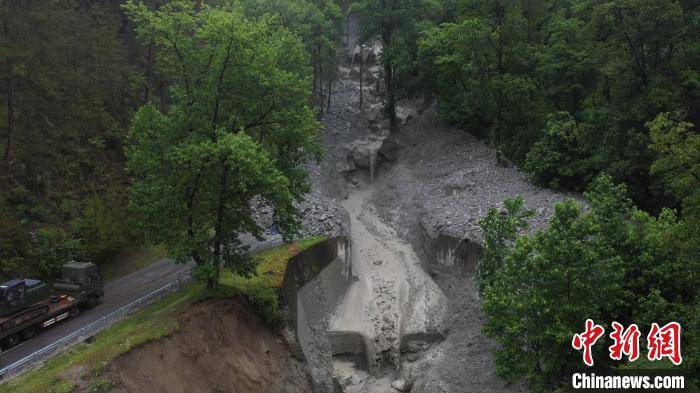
(221, 346)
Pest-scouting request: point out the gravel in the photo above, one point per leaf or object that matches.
(439, 179)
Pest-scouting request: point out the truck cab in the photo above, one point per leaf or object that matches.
(81, 280)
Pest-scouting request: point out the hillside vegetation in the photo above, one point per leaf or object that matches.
(74, 75)
(595, 96)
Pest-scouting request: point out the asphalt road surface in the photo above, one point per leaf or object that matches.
(118, 293)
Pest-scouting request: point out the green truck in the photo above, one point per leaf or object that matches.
(27, 305)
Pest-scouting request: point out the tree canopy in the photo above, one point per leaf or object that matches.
(613, 262)
(75, 74)
(239, 127)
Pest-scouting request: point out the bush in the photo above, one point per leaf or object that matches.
(264, 298)
(104, 227)
(611, 262)
(560, 158)
(55, 246)
(15, 246)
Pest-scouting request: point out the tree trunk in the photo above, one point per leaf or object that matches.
(361, 90)
(149, 74)
(391, 97)
(330, 90)
(10, 104)
(10, 121)
(320, 79)
(213, 281)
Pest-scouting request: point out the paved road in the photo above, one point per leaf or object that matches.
(118, 293)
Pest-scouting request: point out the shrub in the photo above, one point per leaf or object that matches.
(264, 298)
(55, 246)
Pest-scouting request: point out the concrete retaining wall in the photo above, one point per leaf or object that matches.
(326, 268)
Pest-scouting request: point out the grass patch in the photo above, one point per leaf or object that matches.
(132, 260)
(263, 287)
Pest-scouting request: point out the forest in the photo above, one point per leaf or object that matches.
(598, 96)
(126, 123)
(77, 74)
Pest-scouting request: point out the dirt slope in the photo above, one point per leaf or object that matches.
(222, 346)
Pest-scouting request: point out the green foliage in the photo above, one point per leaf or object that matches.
(101, 385)
(240, 127)
(265, 301)
(536, 302)
(677, 146)
(15, 245)
(317, 23)
(560, 157)
(104, 226)
(508, 71)
(612, 262)
(678, 164)
(73, 75)
(55, 247)
(263, 287)
(65, 102)
(482, 70)
(395, 24)
(500, 231)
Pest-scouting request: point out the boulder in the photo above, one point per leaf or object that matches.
(412, 357)
(417, 346)
(402, 385)
(354, 74)
(345, 165)
(365, 154)
(389, 150)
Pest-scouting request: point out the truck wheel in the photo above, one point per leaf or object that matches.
(91, 301)
(10, 341)
(74, 311)
(28, 332)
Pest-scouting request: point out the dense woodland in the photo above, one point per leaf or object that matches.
(598, 96)
(75, 74)
(124, 123)
(595, 95)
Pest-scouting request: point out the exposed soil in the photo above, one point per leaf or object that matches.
(222, 346)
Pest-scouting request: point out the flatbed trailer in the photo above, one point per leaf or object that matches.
(28, 305)
(24, 325)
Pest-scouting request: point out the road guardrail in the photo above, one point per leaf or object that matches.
(94, 327)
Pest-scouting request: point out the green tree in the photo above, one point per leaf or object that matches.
(65, 103)
(240, 127)
(677, 146)
(318, 24)
(501, 228)
(612, 262)
(561, 158)
(503, 69)
(549, 282)
(395, 24)
(482, 67)
(55, 246)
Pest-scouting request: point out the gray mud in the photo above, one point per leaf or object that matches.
(436, 180)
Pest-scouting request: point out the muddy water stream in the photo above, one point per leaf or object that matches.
(391, 298)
